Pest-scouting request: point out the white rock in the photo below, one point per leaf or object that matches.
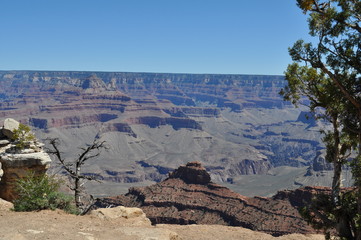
(37, 144)
(134, 216)
(9, 126)
(27, 151)
(4, 142)
(25, 160)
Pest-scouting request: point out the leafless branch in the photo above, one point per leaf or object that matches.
(73, 168)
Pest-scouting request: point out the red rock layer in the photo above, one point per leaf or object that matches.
(189, 197)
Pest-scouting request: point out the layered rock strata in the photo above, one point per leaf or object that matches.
(175, 95)
(235, 124)
(16, 163)
(189, 197)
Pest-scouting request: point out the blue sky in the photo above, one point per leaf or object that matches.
(178, 36)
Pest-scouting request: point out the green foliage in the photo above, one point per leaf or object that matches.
(305, 81)
(41, 192)
(306, 5)
(327, 71)
(356, 170)
(342, 220)
(22, 136)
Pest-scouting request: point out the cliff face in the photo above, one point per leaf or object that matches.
(189, 197)
(75, 100)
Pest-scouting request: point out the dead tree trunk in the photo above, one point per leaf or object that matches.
(73, 167)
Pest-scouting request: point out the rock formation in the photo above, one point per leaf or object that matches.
(192, 173)
(16, 163)
(189, 197)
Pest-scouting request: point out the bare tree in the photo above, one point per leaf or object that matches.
(73, 168)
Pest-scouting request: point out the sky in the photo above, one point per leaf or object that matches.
(173, 36)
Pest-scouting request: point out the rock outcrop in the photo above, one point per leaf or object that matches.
(189, 197)
(192, 173)
(16, 163)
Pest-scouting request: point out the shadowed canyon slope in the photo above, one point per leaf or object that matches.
(188, 196)
(236, 125)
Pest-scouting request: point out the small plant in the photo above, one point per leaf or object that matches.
(41, 192)
(23, 136)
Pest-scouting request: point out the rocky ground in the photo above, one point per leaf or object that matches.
(59, 225)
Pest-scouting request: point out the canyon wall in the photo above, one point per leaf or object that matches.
(154, 122)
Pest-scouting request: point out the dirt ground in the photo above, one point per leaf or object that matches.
(59, 225)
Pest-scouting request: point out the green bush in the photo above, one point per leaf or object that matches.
(41, 192)
(322, 214)
(22, 136)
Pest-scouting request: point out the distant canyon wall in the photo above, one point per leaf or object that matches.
(233, 124)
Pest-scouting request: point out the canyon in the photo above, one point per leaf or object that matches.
(237, 126)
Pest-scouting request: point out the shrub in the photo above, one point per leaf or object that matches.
(337, 222)
(22, 136)
(41, 192)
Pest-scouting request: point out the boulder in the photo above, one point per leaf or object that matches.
(4, 142)
(128, 216)
(9, 126)
(5, 205)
